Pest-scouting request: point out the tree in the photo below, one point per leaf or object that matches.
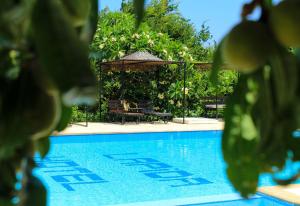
(164, 17)
(117, 36)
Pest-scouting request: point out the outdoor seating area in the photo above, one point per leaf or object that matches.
(124, 106)
(122, 110)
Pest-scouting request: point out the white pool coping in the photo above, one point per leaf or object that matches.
(117, 128)
(290, 193)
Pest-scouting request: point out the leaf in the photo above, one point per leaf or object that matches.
(268, 3)
(287, 181)
(244, 177)
(90, 27)
(297, 52)
(36, 193)
(77, 10)
(284, 76)
(5, 202)
(67, 62)
(263, 110)
(43, 146)
(248, 128)
(14, 20)
(139, 11)
(66, 116)
(240, 138)
(294, 145)
(217, 63)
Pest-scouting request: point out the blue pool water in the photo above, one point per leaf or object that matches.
(180, 168)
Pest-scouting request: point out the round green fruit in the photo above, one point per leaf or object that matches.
(285, 22)
(247, 46)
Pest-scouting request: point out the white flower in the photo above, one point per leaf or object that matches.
(182, 54)
(147, 36)
(121, 54)
(150, 42)
(171, 101)
(178, 104)
(136, 36)
(191, 58)
(123, 38)
(104, 60)
(185, 48)
(170, 58)
(165, 51)
(113, 39)
(160, 34)
(101, 46)
(105, 39)
(161, 96)
(186, 90)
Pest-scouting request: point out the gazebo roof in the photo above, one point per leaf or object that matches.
(141, 56)
(143, 61)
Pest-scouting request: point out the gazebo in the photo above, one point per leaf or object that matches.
(142, 61)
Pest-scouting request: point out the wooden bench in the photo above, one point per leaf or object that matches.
(116, 109)
(147, 109)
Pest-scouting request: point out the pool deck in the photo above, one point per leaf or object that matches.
(289, 194)
(117, 128)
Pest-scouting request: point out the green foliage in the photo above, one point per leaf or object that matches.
(44, 69)
(263, 113)
(116, 36)
(163, 16)
(78, 114)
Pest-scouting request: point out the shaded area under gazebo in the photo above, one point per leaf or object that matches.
(143, 61)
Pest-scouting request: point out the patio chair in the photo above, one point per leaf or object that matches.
(147, 108)
(116, 109)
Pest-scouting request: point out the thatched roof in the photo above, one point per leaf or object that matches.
(143, 61)
(141, 56)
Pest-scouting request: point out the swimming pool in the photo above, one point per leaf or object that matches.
(177, 168)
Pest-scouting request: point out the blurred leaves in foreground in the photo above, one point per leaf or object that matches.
(44, 70)
(263, 113)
